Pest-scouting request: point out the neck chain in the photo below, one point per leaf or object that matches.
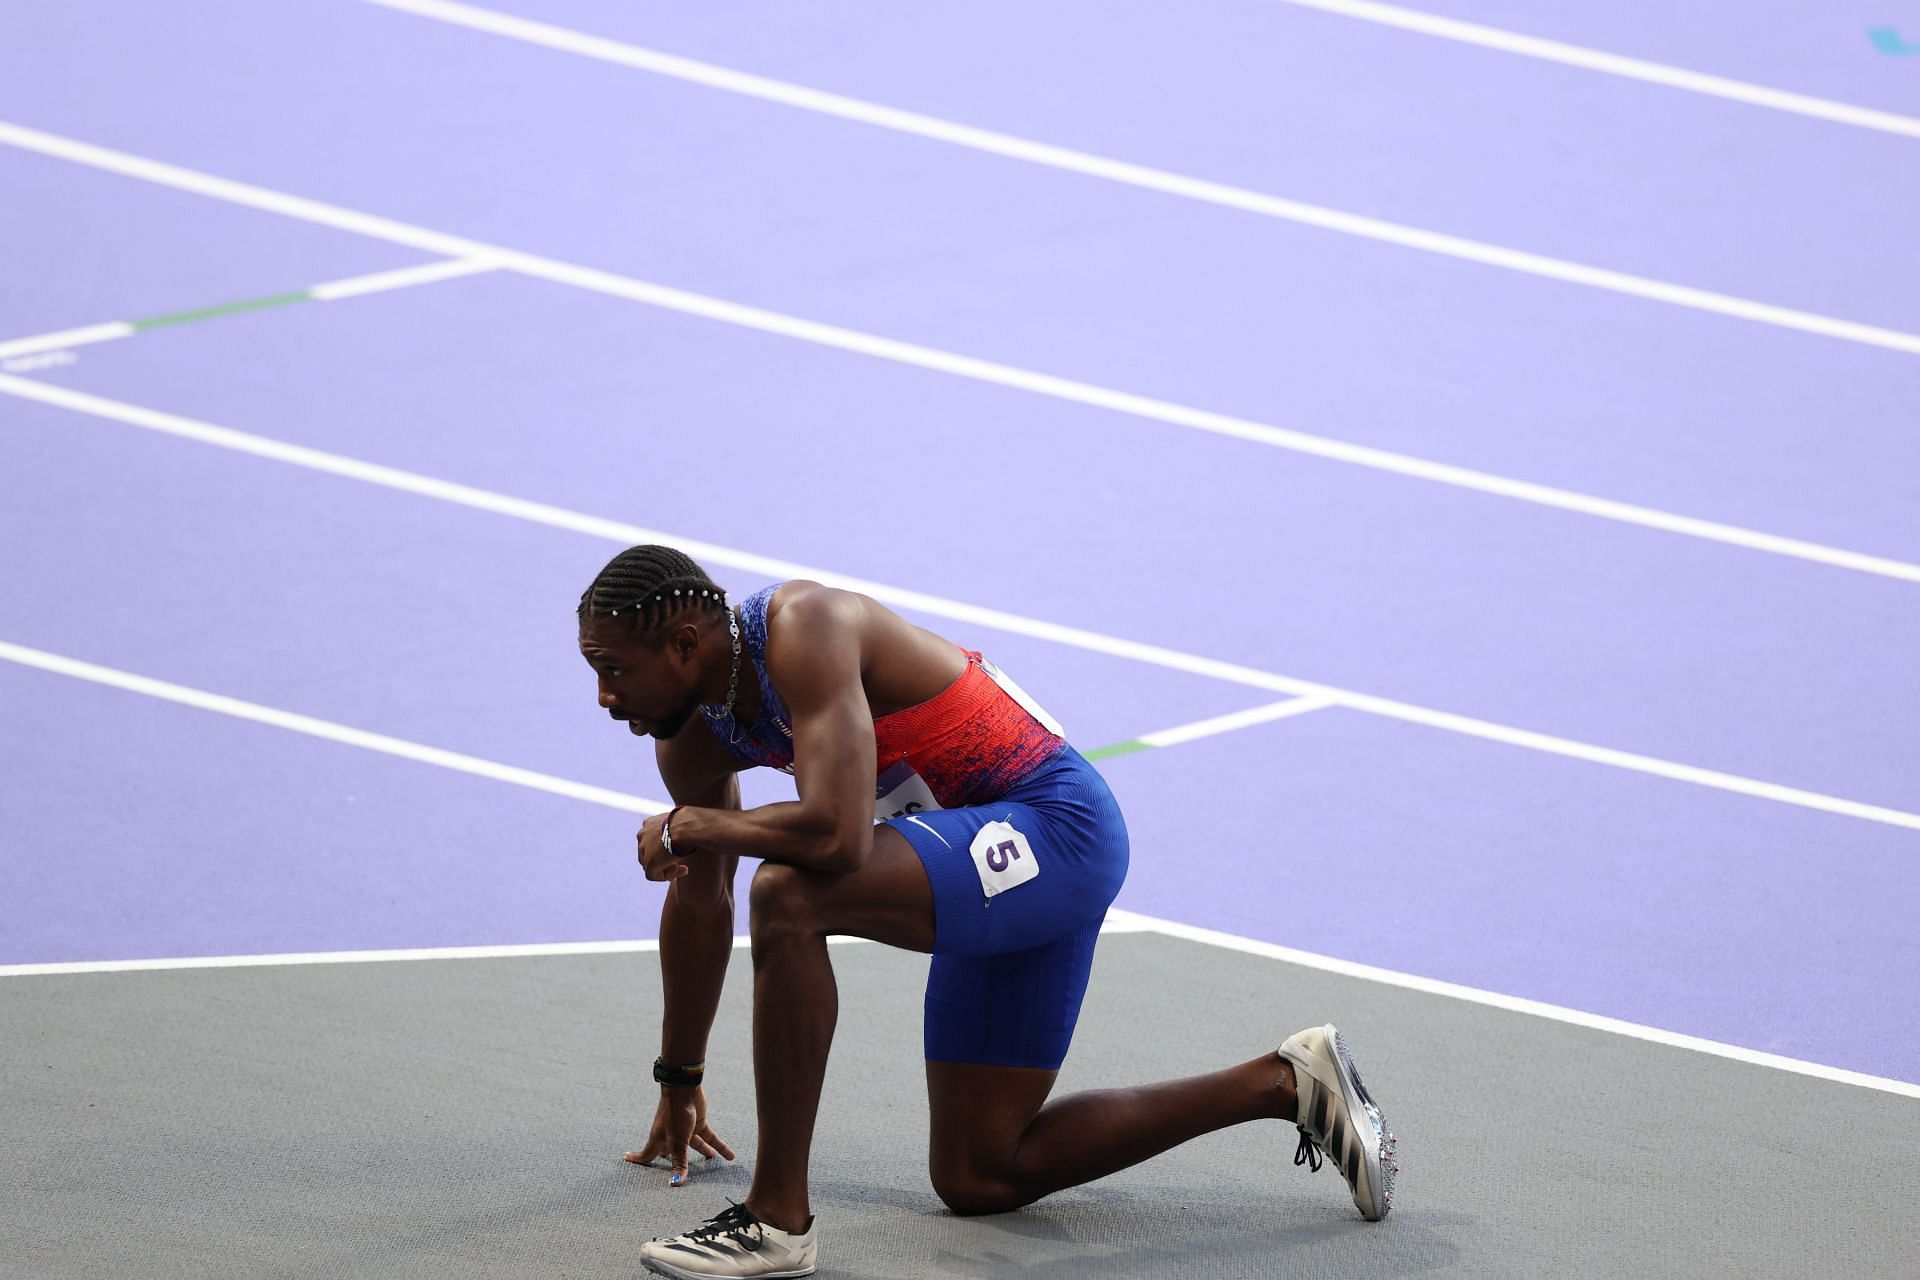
(732, 684)
(733, 676)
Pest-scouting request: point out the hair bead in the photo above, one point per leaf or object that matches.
(652, 581)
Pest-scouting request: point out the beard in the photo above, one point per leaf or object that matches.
(669, 727)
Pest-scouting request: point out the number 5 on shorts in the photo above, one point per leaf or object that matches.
(1003, 858)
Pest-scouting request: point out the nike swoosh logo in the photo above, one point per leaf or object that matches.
(936, 835)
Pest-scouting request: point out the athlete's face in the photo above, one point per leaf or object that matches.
(646, 681)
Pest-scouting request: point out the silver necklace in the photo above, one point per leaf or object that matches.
(733, 676)
(725, 713)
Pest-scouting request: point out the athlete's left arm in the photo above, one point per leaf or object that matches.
(814, 657)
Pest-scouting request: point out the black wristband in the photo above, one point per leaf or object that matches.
(679, 1077)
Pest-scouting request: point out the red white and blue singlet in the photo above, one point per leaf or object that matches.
(970, 743)
(1023, 845)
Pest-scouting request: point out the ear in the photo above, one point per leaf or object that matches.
(684, 641)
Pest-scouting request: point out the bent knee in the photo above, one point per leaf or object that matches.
(971, 1192)
(780, 899)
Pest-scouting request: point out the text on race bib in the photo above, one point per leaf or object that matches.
(900, 792)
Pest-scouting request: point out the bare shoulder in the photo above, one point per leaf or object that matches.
(829, 639)
(804, 604)
(808, 621)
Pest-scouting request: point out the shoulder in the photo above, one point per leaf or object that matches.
(813, 609)
(814, 630)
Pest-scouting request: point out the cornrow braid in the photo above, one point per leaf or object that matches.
(647, 585)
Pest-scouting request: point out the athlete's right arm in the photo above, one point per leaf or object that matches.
(696, 944)
(696, 922)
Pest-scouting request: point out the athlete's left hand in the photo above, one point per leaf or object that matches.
(659, 864)
(680, 1123)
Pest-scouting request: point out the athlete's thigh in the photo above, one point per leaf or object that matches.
(1015, 1009)
(889, 898)
(997, 1029)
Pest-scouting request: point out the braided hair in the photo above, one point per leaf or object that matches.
(647, 585)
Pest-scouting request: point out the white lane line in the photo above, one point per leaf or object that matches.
(1135, 175)
(403, 278)
(1517, 1004)
(331, 291)
(1118, 921)
(503, 951)
(66, 338)
(694, 304)
(162, 174)
(1574, 55)
(1179, 415)
(275, 960)
(937, 606)
(344, 734)
(1232, 721)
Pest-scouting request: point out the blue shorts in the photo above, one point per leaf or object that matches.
(1020, 888)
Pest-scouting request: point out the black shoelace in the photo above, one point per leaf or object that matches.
(1308, 1152)
(735, 1220)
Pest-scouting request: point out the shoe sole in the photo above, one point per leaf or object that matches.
(668, 1269)
(1377, 1142)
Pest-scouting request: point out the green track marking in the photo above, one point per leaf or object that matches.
(1108, 752)
(224, 309)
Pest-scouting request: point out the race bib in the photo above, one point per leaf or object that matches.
(1019, 695)
(1003, 858)
(901, 792)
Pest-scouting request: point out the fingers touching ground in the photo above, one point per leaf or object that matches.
(708, 1143)
(705, 1141)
